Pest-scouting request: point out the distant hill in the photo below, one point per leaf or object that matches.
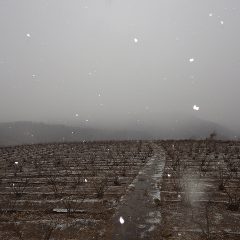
(15, 133)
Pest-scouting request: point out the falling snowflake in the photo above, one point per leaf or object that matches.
(121, 220)
(86, 120)
(196, 108)
(135, 40)
(191, 60)
(28, 35)
(16, 163)
(76, 114)
(85, 180)
(99, 95)
(210, 14)
(33, 75)
(221, 22)
(169, 175)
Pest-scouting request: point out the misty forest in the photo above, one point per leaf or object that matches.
(119, 120)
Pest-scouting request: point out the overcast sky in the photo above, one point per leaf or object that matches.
(108, 61)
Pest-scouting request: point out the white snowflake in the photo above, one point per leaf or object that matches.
(135, 40)
(121, 220)
(28, 35)
(191, 60)
(76, 114)
(16, 163)
(210, 14)
(221, 22)
(196, 108)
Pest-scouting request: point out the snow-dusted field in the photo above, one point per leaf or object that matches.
(121, 190)
(76, 186)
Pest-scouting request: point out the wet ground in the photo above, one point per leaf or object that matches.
(138, 213)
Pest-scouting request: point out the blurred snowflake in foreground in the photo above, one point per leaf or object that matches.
(135, 40)
(121, 220)
(191, 60)
(195, 108)
(28, 35)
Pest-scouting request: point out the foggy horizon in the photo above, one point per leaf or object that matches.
(117, 63)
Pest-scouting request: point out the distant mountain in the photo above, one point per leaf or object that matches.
(15, 133)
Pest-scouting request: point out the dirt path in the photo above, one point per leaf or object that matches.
(138, 208)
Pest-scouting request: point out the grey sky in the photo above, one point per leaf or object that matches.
(108, 61)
